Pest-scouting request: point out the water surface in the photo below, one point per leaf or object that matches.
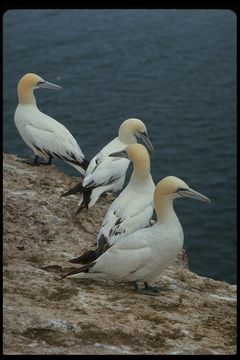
(174, 69)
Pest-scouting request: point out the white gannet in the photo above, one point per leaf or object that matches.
(45, 136)
(132, 209)
(144, 254)
(106, 173)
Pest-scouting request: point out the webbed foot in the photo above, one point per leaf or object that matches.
(150, 290)
(35, 162)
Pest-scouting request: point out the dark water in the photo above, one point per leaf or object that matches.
(174, 69)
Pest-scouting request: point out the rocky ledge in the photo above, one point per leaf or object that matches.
(45, 316)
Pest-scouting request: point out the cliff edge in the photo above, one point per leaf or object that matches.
(41, 315)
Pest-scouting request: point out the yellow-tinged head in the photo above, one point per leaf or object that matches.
(133, 129)
(170, 188)
(28, 83)
(137, 152)
(174, 187)
(139, 156)
(170, 185)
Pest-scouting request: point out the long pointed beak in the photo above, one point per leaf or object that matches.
(145, 138)
(121, 154)
(48, 85)
(190, 193)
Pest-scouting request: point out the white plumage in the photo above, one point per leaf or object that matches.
(144, 254)
(106, 173)
(45, 136)
(132, 209)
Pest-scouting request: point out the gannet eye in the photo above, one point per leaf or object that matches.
(142, 132)
(180, 189)
(40, 82)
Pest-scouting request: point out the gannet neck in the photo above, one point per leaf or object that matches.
(164, 208)
(128, 130)
(25, 88)
(141, 161)
(165, 193)
(25, 94)
(26, 98)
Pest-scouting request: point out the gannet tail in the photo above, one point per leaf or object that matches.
(80, 166)
(84, 199)
(85, 196)
(91, 255)
(86, 258)
(76, 189)
(81, 272)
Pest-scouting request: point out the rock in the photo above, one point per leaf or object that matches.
(45, 316)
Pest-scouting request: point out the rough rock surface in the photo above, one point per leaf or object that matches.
(45, 316)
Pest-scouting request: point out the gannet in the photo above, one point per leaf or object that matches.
(132, 209)
(144, 254)
(45, 136)
(104, 173)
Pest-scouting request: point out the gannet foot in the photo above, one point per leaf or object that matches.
(29, 162)
(35, 162)
(47, 163)
(150, 290)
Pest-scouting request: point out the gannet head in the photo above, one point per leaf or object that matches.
(28, 83)
(174, 187)
(140, 158)
(132, 152)
(34, 81)
(133, 129)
